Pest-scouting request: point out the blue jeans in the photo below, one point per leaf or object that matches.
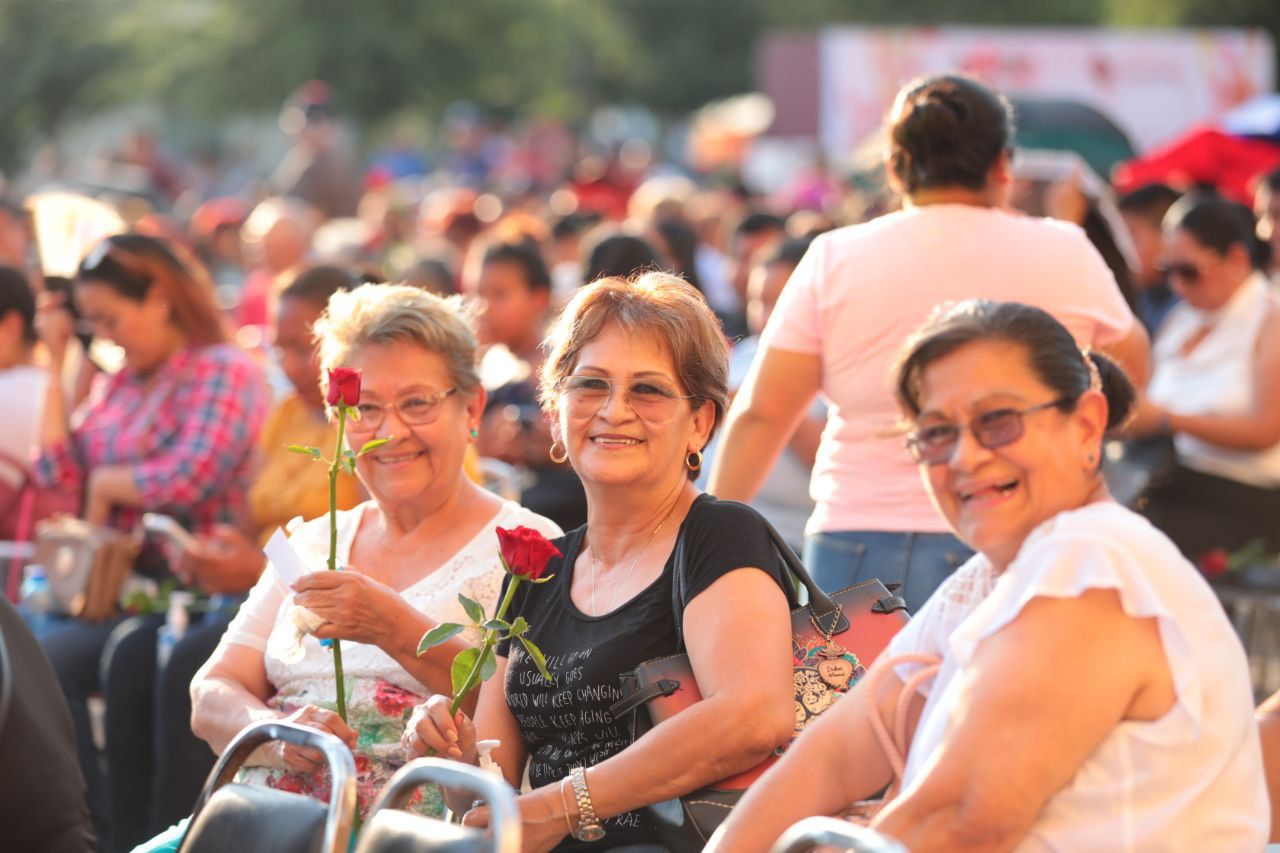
(917, 562)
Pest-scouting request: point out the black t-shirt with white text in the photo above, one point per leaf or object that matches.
(567, 723)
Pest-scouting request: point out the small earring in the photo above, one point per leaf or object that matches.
(1089, 458)
(475, 433)
(559, 460)
(694, 461)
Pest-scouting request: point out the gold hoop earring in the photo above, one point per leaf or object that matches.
(694, 461)
(559, 460)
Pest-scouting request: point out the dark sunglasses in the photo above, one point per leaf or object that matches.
(935, 445)
(109, 260)
(1189, 273)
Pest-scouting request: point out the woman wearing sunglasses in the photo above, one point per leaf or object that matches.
(635, 378)
(1091, 693)
(1214, 387)
(859, 291)
(174, 432)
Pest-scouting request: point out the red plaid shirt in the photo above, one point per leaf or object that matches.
(189, 434)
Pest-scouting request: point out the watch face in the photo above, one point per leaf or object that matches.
(590, 832)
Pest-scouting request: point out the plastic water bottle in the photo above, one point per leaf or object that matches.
(37, 598)
(175, 626)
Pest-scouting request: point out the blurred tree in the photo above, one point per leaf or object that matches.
(381, 57)
(51, 62)
(210, 59)
(1264, 14)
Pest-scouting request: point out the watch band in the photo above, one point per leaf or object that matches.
(564, 801)
(589, 828)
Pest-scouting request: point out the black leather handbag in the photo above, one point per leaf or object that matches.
(834, 639)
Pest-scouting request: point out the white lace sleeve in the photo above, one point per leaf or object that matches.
(929, 630)
(257, 616)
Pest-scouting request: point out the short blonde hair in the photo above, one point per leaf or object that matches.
(659, 304)
(386, 313)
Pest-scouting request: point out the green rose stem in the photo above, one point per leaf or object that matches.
(333, 554)
(490, 638)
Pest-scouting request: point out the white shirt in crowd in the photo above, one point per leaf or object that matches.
(1190, 781)
(1216, 378)
(22, 397)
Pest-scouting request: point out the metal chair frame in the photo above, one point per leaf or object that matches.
(812, 832)
(504, 816)
(342, 767)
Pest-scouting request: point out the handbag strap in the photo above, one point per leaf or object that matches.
(628, 703)
(827, 616)
(894, 744)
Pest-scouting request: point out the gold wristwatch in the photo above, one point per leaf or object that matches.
(589, 828)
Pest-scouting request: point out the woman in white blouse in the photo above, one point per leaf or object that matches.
(1215, 387)
(427, 535)
(1091, 694)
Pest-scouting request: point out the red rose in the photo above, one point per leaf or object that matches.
(526, 552)
(344, 386)
(1214, 563)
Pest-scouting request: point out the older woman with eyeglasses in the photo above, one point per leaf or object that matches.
(1089, 693)
(426, 536)
(636, 380)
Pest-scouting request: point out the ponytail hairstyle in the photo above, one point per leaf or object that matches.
(947, 131)
(132, 264)
(1052, 353)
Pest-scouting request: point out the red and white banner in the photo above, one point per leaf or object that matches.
(1154, 84)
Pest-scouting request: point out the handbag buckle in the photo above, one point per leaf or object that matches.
(889, 604)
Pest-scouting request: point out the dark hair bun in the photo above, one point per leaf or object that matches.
(1117, 388)
(947, 131)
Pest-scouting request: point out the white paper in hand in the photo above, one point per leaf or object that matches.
(288, 564)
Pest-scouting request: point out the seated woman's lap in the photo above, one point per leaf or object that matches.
(1201, 512)
(74, 649)
(155, 765)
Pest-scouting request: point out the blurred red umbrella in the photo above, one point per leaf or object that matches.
(1203, 156)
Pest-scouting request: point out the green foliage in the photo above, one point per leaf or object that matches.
(305, 451)
(404, 60)
(463, 664)
(474, 611)
(441, 633)
(371, 444)
(539, 659)
(52, 61)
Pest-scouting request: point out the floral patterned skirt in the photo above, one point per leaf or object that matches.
(378, 711)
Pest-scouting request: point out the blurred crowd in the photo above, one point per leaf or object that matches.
(185, 361)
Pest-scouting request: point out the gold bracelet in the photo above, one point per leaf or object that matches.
(564, 801)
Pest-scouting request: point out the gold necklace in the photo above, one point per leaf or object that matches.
(631, 568)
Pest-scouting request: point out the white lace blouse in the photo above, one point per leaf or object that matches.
(380, 694)
(475, 571)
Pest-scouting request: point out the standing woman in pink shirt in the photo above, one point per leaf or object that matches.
(859, 292)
